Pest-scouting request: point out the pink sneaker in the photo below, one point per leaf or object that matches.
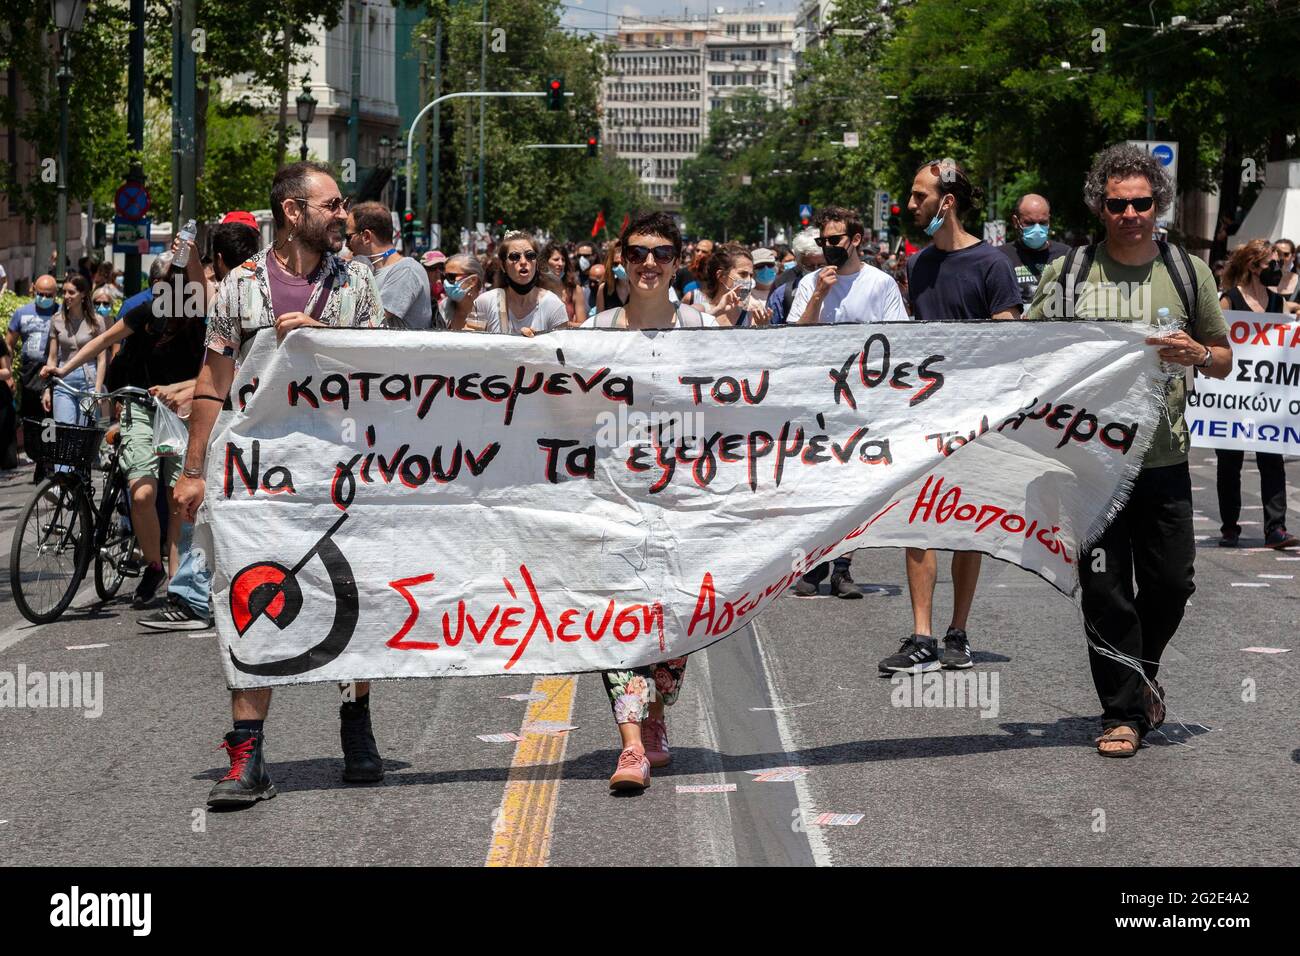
(654, 737)
(632, 772)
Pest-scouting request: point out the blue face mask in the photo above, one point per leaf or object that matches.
(765, 275)
(936, 223)
(620, 272)
(103, 309)
(45, 302)
(455, 292)
(1035, 236)
(787, 266)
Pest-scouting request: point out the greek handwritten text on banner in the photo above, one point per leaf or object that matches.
(413, 504)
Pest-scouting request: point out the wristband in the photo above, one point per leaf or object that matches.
(192, 472)
(208, 398)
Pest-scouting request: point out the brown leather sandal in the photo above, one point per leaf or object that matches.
(1154, 701)
(1121, 735)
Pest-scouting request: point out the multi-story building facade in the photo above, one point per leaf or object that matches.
(667, 76)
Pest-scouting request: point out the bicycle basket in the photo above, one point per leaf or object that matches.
(73, 445)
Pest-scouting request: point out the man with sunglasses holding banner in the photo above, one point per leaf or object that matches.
(296, 282)
(1129, 276)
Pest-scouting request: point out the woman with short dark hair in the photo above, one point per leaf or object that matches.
(652, 247)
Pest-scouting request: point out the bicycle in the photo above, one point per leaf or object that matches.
(61, 528)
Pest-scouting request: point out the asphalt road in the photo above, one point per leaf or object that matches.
(934, 785)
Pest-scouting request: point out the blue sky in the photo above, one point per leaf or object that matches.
(591, 14)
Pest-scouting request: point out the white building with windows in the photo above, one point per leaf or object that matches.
(667, 75)
(364, 40)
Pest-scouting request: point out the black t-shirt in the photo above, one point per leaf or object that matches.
(682, 279)
(967, 285)
(1030, 263)
(157, 356)
(1276, 303)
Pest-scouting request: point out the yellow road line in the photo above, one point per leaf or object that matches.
(522, 831)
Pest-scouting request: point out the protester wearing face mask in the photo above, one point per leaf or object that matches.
(1288, 285)
(29, 332)
(559, 277)
(434, 262)
(957, 277)
(523, 307)
(403, 285)
(808, 258)
(1251, 269)
(462, 280)
(584, 256)
(727, 294)
(844, 290)
(1031, 250)
(613, 292)
(765, 273)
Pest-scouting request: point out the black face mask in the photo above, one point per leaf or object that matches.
(835, 255)
(1271, 275)
(523, 288)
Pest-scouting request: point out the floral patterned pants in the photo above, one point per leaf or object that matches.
(632, 691)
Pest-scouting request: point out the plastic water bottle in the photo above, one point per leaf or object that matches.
(1165, 327)
(188, 232)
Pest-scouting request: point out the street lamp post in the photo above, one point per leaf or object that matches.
(386, 162)
(67, 15)
(306, 113)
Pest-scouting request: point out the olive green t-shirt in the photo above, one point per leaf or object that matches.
(1136, 294)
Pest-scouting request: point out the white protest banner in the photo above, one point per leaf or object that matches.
(1257, 407)
(392, 504)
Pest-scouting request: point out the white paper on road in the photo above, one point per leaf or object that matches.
(1257, 407)
(415, 504)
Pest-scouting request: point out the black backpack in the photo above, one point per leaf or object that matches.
(1078, 263)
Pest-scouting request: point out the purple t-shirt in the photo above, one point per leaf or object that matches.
(288, 292)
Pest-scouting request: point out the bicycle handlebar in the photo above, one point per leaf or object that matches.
(131, 392)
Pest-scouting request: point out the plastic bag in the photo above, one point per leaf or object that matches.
(169, 433)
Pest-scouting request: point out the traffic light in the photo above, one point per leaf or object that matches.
(895, 224)
(555, 93)
(593, 143)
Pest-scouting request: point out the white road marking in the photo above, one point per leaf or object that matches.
(85, 647)
(24, 629)
(816, 841)
(1248, 584)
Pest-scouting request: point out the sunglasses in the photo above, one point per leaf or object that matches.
(1139, 204)
(639, 254)
(516, 256)
(824, 241)
(335, 205)
(454, 277)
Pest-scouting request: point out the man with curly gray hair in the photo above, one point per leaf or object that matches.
(1129, 276)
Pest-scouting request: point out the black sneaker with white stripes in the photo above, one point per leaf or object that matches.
(918, 654)
(956, 650)
(176, 615)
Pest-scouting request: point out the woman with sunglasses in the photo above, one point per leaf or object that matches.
(522, 307)
(1288, 286)
(462, 280)
(651, 247)
(728, 288)
(1246, 278)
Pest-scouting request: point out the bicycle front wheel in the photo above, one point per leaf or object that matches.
(115, 540)
(51, 549)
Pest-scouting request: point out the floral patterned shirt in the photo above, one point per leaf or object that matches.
(243, 302)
